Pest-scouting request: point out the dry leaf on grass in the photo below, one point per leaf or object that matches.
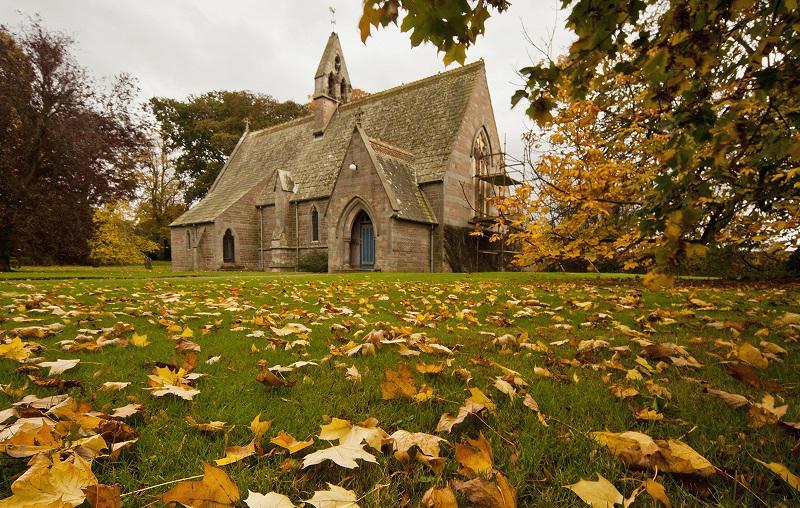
(268, 500)
(51, 483)
(486, 494)
(475, 457)
(640, 450)
(439, 498)
(59, 366)
(103, 496)
(783, 472)
(334, 497)
(214, 489)
(288, 441)
(344, 455)
(657, 492)
(598, 494)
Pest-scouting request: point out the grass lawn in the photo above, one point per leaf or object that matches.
(481, 319)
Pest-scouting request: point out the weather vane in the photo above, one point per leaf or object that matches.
(333, 17)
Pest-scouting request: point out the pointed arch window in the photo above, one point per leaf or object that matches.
(228, 247)
(332, 85)
(481, 160)
(314, 224)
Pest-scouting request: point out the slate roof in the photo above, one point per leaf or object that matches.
(397, 171)
(422, 117)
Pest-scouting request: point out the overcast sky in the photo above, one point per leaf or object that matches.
(180, 47)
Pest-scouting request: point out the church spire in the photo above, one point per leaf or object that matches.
(331, 78)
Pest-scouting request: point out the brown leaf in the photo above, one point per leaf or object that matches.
(103, 496)
(399, 383)
(215, 489)
(482, 493)
(439, 498)
(476, 457)
(657, 492)
(268, 378)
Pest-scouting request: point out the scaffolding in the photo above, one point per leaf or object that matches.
(496, 178)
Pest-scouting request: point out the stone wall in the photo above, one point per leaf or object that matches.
(479, 114)
(434, 192)
(283, 255)
(410, 247)
(356, 190)
(206, 252)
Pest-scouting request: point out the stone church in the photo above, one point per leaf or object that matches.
(376, 182)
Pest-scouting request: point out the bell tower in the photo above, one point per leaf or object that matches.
(331, 83)
(332, 78)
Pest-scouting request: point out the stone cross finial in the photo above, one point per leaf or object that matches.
(247, 124)
(333, 18)
(359, 116)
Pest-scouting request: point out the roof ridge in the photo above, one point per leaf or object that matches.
(391, 150)
(283, 125)
(382, 93)
(413, 84)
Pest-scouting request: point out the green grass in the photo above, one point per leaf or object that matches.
(538, 460)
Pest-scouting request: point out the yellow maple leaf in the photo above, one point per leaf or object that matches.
(139, 340)
(288, 441)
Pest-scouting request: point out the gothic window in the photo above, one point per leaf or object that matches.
(337, 63)
(228, 247)
(481, 161)
(343, 93)
(331, 85)
(314, 225)
(188, 240)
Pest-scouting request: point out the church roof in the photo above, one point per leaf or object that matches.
(422, 117)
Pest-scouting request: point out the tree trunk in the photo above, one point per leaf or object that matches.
(5, 247)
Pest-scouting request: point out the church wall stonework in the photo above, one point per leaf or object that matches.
(434, 193)
(410, 247)
(352, 188)
(460, 171)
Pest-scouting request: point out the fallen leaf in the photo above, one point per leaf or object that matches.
(439, 498)
(51, 483)
(598, 494)
(214, 489)
(334, 497)
(656, 491)
(476, 456)
(103, 496)
(59, 366)
(268, 500)
(237, 453)
(783, 472)
(139, 340)
(287, 441)
(398, 384)
(344, 455)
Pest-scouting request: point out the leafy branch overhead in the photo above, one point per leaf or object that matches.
(452, 26)
(692, 123)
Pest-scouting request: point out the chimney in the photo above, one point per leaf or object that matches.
(324, 108)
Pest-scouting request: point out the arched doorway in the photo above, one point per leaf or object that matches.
(228, 247)
(362, 242)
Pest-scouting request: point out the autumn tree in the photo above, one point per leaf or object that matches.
(159, 194)
(66, 146)
(115, 241)
(719, 80)
(205, 128)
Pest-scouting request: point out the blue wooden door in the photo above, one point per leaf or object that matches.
(367, 245)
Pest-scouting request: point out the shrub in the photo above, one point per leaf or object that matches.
(314, 260)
